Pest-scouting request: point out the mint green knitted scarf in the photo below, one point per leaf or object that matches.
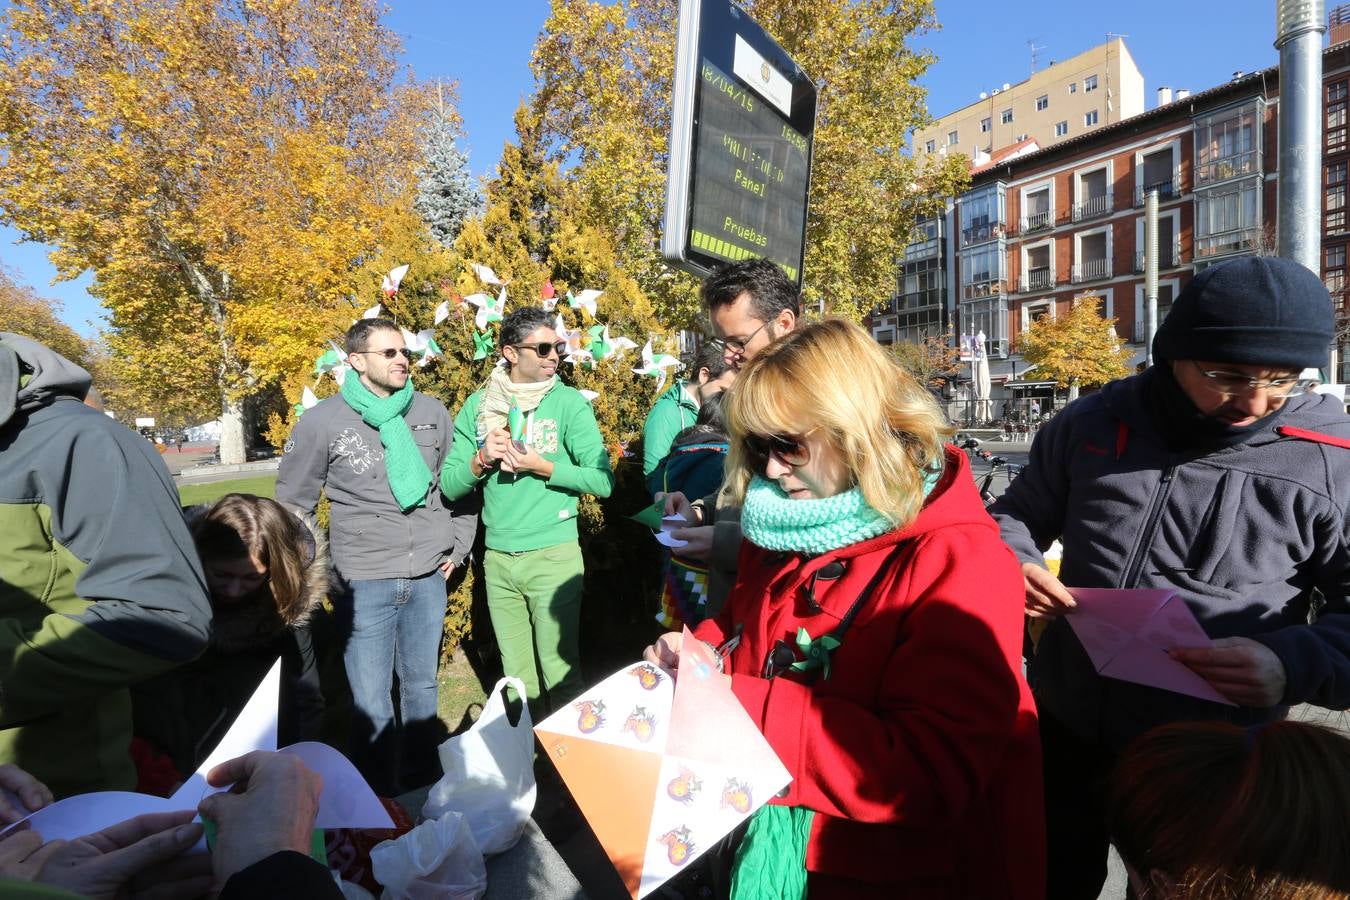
(770, 862)
(773, 520)
(409, 476)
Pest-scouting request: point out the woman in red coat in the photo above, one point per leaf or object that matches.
(874, 635)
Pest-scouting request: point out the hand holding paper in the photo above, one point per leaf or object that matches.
(661, 771)
(275, 811)
(1129, 634)
(1245, 671)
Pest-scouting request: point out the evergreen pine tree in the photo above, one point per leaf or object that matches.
(446, 193)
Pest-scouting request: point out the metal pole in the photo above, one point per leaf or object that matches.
(1150, 272)
(1299, 28)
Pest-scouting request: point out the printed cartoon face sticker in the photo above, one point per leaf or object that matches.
(736, 795)
(592, 715)
(679, 846)
(648, 676)
(684, 786)
(641, 723)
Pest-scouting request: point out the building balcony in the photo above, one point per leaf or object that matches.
(1036, 280)
(1239, 240)
(1090, 270)
(1093, 207)
(981, 234)
(1167, 258)
(1227, 168)
(1035, 222)
(974, 290)
(1167, 190)
(923, 249)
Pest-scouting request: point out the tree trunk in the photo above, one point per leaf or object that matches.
(231, 432)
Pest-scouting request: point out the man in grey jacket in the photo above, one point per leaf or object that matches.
(375, 449)
(1211, 474)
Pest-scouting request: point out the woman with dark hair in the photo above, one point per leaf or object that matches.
(874, 636)
(1217, 811)
(267, 571)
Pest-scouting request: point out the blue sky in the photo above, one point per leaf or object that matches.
(981, 44)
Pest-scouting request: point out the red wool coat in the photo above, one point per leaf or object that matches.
(919, 753)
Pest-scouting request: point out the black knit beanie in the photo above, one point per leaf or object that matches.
(1259, 311)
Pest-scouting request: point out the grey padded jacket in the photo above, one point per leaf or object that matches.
(1248, 535)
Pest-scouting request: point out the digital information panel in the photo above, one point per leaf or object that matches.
(740, 144)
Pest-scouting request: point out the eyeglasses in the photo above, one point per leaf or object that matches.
(543, 348)
(390, 352)
(791, 450)
(1231, 384)
(737, 345)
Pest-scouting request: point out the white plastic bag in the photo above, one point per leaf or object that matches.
(489, 774)
(437, 860)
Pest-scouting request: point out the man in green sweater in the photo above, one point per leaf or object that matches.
(531, 481)
(677, 408)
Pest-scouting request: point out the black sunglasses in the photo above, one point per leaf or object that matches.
(390, 352)
(791, 450)
(543, 347)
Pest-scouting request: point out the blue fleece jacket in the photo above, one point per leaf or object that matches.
(1248, 534)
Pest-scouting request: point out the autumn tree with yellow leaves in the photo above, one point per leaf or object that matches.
(22, 311)
(1079, 349)
(604, 70)
(221, 166)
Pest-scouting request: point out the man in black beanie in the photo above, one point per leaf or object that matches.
(1212, 474)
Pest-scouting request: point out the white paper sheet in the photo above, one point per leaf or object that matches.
(346, 802)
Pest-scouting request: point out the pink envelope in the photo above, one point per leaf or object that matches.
(1127, 634)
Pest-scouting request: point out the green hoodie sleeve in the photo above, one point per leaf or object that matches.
(584, 466)
(456, 475)
(664, 422)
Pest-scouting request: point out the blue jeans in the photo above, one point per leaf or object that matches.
(396, 625)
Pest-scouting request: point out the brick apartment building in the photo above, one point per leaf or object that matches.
(1039, 228)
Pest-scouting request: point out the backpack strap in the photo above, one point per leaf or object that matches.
(1317, 437)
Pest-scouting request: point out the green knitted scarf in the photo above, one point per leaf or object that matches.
(409, 476)
(773, 520)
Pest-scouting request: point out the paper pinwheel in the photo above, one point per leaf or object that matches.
(372, 312)
(656, 364)
(486, 275)
(489, 308)
(585, 300)
(442, 312)
(307, 401)
(424, 342)
(589, 395)
(483, 343)
(661, 771)
(393, 280)
(331, 359)
(340, 374)
(603, 345)
(547, 292)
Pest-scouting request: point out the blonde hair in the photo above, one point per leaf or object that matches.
(831, 377)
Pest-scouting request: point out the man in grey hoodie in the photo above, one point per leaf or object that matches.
(1212, 474)
(100, 586)
(376, 449)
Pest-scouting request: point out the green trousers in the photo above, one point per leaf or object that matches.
(534, 599)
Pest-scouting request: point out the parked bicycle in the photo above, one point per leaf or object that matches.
(997, 465)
